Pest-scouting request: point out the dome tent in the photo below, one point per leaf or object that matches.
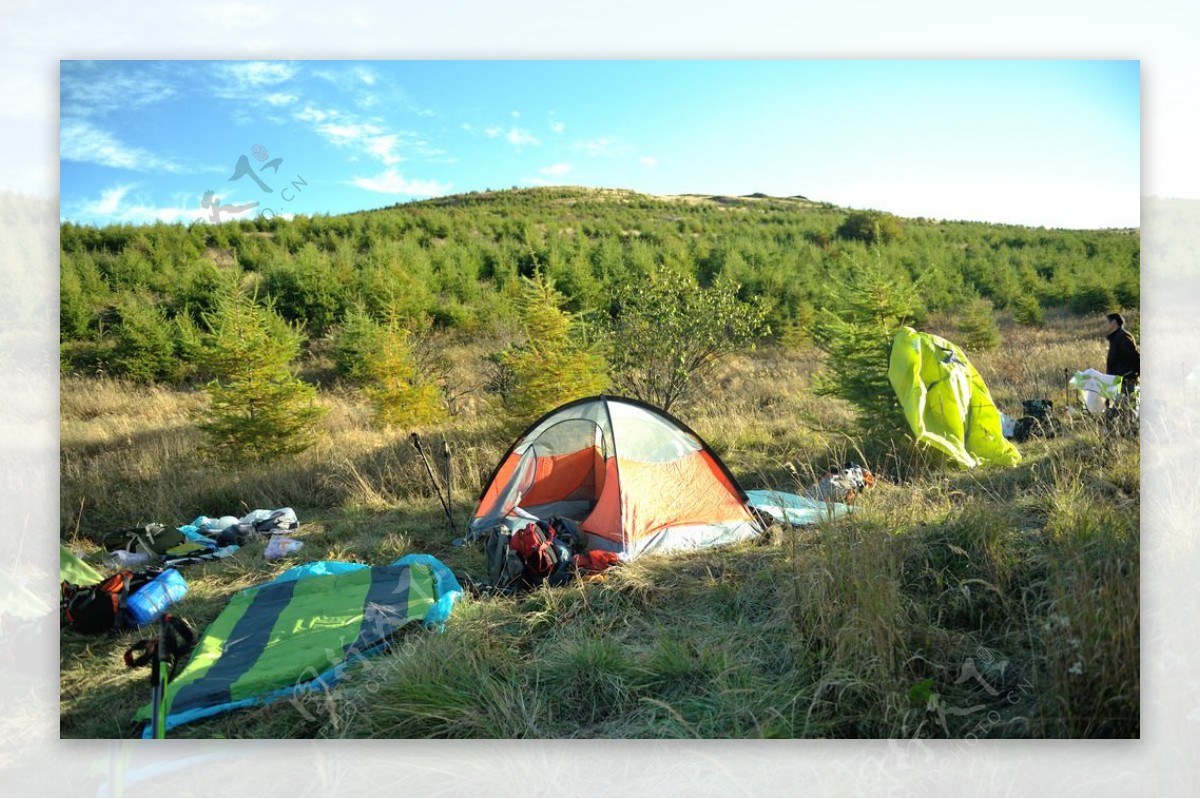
(635, 478)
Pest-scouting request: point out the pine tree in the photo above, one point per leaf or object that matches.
(401, 394)
(868, 306)
(382, 359)
(1028, 311)
(557, 361)
(258, 408)
(978, 325)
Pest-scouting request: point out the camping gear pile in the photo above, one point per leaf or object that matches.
(551, 552)
(842, 484)
(91, 603)
(946, 402)
(204, 539)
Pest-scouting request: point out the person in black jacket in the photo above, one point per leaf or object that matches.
(1124, 358)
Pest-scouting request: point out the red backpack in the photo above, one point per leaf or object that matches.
(536, 548)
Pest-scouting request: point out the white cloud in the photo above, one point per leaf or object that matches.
(110, 200)
(366, 77)
(556, 169)
(349, 133)
(85, 91)
(310, 114)
(493, 131)
(370, 138)
(648, 160)
(384, 148)
(518, 137)
(82, 141)
(516, 114)
(603, 147)
(390, 181)
(557, 127)
(112, 207)
(280, 98)
(239, 79)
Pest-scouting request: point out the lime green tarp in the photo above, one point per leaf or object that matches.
(299, 631)
(74, 570)
(945, 400)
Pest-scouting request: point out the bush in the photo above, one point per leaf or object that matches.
(144, 344)
(670, 334)
(383, 360)
(399, 390)
(871, 227)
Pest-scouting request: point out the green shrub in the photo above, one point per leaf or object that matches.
(144, 344)
(383, 360)
(871, 227)
(401, 393)
(670, 335)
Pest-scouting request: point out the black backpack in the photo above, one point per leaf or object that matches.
(1039, 420)
(102, 607)
(153, 539)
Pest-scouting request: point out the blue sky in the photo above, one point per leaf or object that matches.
(1054, 143)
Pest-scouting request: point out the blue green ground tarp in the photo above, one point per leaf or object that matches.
(300, 631)
(946, 402)
(793, 509)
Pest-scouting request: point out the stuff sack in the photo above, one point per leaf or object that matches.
(843, 484)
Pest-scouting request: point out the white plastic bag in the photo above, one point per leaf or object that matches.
(280, 546)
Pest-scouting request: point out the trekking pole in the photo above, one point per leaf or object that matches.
(158, 685)
(416, 440)
(449, 501)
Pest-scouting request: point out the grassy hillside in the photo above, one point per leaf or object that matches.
(863, 627)
(132, 294)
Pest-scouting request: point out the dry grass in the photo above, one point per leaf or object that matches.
(863, 627)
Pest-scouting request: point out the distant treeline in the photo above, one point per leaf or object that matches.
(455, 262)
